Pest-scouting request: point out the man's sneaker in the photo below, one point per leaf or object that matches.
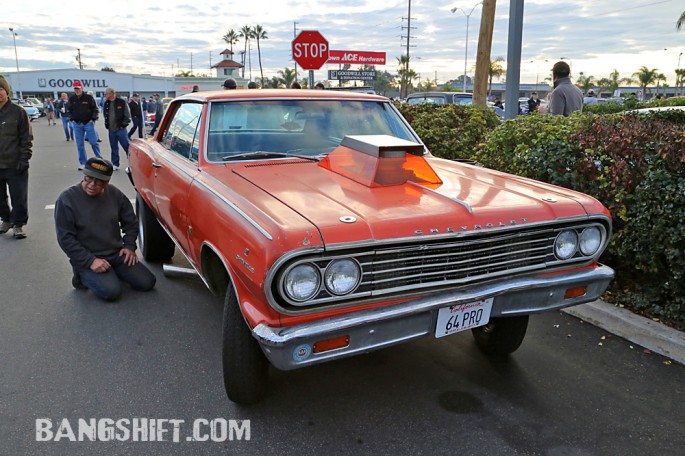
(19, 232)
(80, 167)
(5, 227)
(116, 168)
(76, 282)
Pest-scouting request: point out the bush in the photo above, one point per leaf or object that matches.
(450, 131)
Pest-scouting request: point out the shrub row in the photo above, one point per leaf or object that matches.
(634, 164)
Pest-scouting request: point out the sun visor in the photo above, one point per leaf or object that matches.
(380, 160)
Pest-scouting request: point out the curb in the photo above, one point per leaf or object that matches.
(642, 331)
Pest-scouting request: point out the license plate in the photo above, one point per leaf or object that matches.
(460, 317)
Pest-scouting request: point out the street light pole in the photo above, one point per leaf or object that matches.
(466, 47)
(680, 78)
(16, 58)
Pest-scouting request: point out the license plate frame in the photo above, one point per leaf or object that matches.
(461, 317)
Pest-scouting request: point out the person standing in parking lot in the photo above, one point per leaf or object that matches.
(159, 112)
(566, 98)
(16, 141)
(136, 116)
(62, 107)
(117, 117)
(84, 112)
(533, 103)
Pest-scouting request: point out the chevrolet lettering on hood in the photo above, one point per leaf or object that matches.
(331, 231)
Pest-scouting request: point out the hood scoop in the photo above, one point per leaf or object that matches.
(381, 161)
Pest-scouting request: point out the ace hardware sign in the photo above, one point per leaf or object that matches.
(310, 50)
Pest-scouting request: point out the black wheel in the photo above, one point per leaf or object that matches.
(245, 366)
(501, 336)
(155, 244)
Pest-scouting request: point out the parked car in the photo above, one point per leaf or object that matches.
(440, 98)
(31, 110)
(35, 102)
(331, 231)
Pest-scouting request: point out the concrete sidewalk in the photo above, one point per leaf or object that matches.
(642, 331)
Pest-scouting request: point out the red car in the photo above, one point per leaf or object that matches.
(332, 231)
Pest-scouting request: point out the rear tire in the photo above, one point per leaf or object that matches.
(501, 336)
(245, 366)
(155, 244)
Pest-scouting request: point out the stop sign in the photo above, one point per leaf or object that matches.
(310, 50)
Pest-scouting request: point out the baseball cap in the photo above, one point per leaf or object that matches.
(136, 95)
(99, 169)
(77, 84)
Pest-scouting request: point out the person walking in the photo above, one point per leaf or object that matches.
(62, 108)
(16, 142)
(533, 103)
(565, 98)
(90, 218)
(49, 109)
(136, 109)
(117, 118)
(83, 112)
(159, 112)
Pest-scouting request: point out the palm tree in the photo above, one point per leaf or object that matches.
(645, 77)
(585, 83)
(246, 33)
(287, 76)
(680, 79)
(496, 71)
(231, 37)
(680, 22)
(604, 85)
(260, 34)
(406, 75)
(615, 80)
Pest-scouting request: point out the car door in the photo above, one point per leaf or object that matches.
(176, 167)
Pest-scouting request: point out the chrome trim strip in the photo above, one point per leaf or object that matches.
(277, 337)
(458, 201)
(232, 206)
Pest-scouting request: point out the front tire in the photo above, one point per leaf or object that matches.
(155, 244)
(501, 336)
(245, 366)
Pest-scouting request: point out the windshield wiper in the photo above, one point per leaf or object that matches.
(267, 154)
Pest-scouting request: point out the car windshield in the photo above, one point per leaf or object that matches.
(257, 129)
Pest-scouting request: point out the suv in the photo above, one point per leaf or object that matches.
(440, 98)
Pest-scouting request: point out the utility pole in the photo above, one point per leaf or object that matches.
(294, 36)
(487, 24)
(408, 37)
(191, 63)
(78, 59)
(514, 58)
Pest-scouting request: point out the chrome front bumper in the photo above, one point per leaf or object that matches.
(292, 347)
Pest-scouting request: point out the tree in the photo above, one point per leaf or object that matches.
(246, 34)
(680, 22)
(645, 77)
(108, 69)
(383, 83)
(287, 76)
(680, 79)
(185, 74)
(615, 80)
(260, 34)
(231, 37)
(483, 62)
(496, 71)
(585, 83)
(406, 74)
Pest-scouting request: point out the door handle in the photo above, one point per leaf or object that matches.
(156, 165)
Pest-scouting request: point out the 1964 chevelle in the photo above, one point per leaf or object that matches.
(332, 231)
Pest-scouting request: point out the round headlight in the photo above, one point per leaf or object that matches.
(342, 276)
(302, 282)
(590, 240)
(566, 244)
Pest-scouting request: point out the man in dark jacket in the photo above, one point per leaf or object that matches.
(90, 218)
(62, 108)
(159, 112)
(117, 117)
(83, 112)
(136, 116)
(16, 140)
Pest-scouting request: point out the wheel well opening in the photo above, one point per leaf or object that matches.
(214, 271)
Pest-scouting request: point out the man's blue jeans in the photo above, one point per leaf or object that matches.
(82, 131)
(107, 285)
(117, 137)
(18, 185)
(68, 127)
(137, 125)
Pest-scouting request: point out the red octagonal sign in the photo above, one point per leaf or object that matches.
(310, 50)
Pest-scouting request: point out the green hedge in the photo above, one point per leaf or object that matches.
(633, 164)
(450, 131)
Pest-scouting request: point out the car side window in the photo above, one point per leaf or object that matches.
(182, 134)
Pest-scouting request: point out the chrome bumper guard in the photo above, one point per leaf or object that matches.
(292, 347)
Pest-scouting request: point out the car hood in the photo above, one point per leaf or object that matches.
(469, 199)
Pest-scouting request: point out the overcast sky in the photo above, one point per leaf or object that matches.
(149, 36)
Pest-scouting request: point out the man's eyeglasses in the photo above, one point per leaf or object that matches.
(94, 181)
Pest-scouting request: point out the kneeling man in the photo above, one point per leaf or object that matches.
(90, 218)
